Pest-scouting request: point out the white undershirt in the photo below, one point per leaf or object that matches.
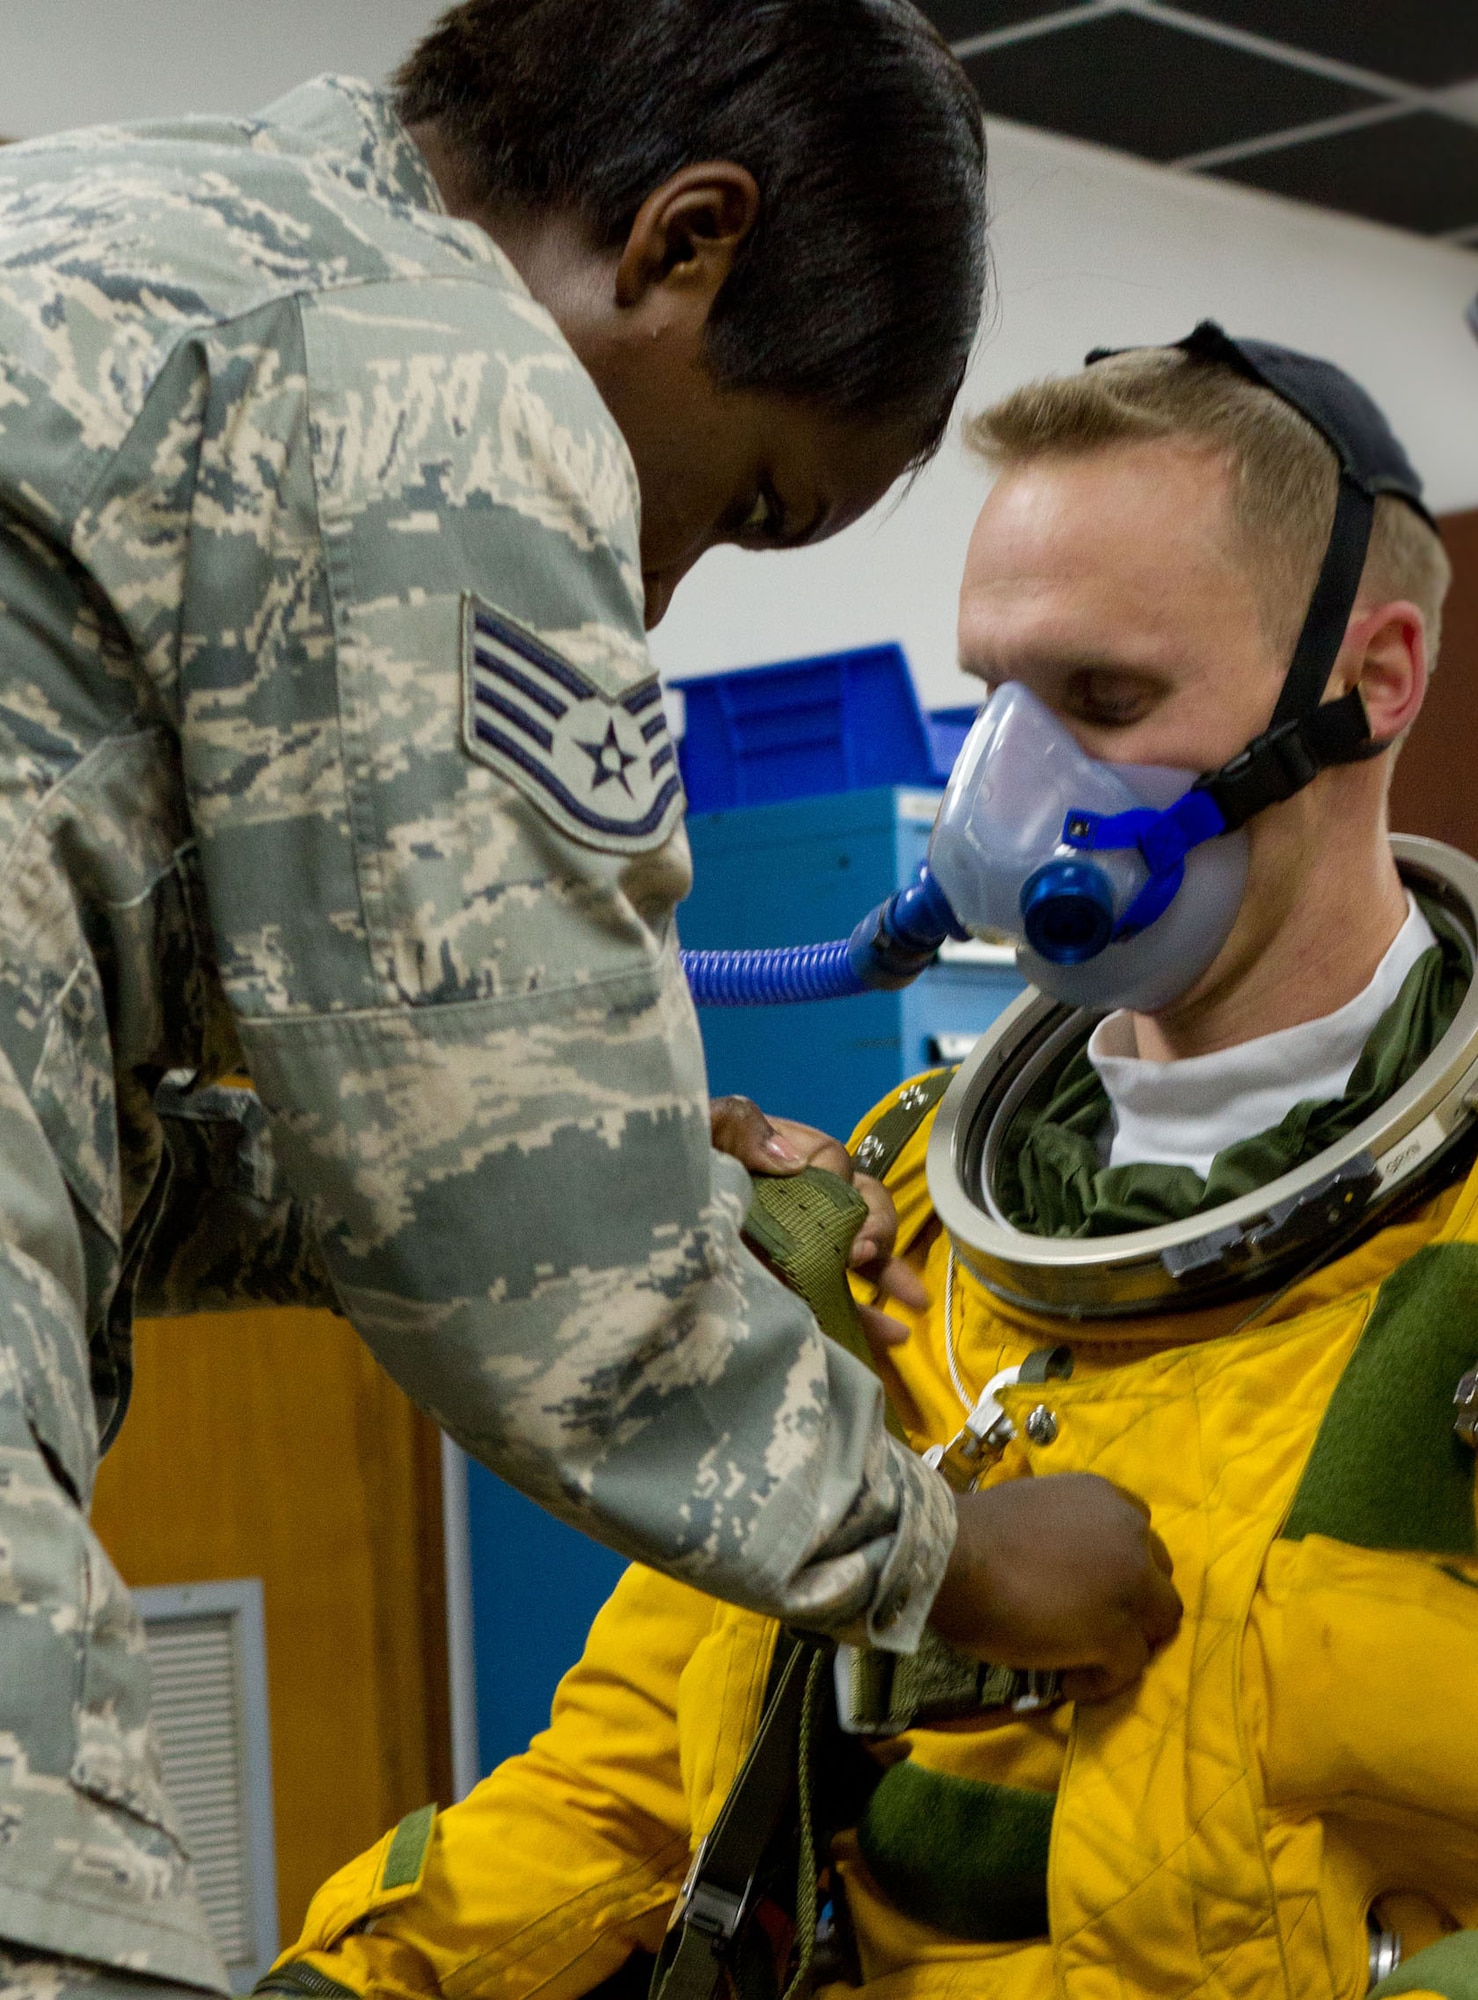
(1184, 1113)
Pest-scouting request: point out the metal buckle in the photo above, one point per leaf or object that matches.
(1465, 1397)
(977, 1445)
(715, 1912)
(1043, 1689)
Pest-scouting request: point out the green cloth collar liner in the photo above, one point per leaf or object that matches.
(1050, 1182)
(1449, 1967)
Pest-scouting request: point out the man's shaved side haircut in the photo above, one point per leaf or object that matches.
(859, 289)
(1284, 475)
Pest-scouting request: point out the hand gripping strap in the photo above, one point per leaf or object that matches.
(804, 1223)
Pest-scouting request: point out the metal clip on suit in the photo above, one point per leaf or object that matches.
(978, 1444)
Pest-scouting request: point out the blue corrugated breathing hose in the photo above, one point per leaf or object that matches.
(767, 978)
(888, 949)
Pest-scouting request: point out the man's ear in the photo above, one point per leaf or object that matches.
(1385, 656)
(687, 234)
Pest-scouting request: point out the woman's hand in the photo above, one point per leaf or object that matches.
(766, 1145)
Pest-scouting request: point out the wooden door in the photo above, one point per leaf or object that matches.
(1435, 790)
(271, 1444)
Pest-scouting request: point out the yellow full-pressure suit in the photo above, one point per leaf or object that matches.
(1305, 1749)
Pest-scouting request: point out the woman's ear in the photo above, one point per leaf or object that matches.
(1385, 656)
(687, 233)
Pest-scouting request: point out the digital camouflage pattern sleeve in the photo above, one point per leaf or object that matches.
(348, 546)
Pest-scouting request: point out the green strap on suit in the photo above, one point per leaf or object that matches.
(805, 1224)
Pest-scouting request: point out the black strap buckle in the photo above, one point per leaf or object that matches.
(1272, 768)
(717, 1912)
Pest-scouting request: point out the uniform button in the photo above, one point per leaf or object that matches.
(1041, 1425)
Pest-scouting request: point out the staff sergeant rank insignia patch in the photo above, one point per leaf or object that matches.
(603, 769)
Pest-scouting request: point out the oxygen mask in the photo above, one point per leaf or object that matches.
(1116, 882)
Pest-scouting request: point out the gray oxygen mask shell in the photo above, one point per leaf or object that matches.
(1018, 776)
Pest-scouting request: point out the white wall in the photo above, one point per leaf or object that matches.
(1095, 249)
(1090, 247)
(89, 62)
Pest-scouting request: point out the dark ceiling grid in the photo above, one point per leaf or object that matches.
(1427, 44)
(1127, 81)
(1417, 171)
(957, 19)
(1369, 106)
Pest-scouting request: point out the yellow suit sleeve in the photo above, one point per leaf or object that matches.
(560, 1863)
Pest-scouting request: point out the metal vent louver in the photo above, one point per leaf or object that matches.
(208, 1658)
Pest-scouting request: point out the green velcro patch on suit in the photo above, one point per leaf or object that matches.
(1386, 1471)
(966, 1857)
(1449, 1967)
(408, 1849)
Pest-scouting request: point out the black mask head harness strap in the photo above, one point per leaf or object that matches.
(1307, 733)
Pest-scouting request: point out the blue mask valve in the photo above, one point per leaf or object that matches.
(1067, 911)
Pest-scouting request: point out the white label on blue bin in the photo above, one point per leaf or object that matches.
(919, 805)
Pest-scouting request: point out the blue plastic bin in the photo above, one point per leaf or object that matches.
(801, 729)
(948, 728)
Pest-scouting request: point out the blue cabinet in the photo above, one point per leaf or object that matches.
(536, 1585)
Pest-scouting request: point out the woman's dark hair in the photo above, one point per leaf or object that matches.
(860, 287)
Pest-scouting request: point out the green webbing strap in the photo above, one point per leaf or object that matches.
(806, 1864)
(888, 1692)
(804, 1223)
(716, 1897)
(1047, 1364)
(882, 1142)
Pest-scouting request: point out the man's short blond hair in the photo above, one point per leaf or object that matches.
(1284, 475)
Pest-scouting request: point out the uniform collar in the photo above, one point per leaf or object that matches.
(354, 134)
(354, 129)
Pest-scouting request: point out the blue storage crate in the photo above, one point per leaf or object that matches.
(841, 722)
(948, 728)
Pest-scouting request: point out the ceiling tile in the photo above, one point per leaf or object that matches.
(957, 20)
(1418, 172)
(1429, 42)
(1127, 81)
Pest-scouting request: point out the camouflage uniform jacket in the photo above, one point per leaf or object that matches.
(330, 747)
